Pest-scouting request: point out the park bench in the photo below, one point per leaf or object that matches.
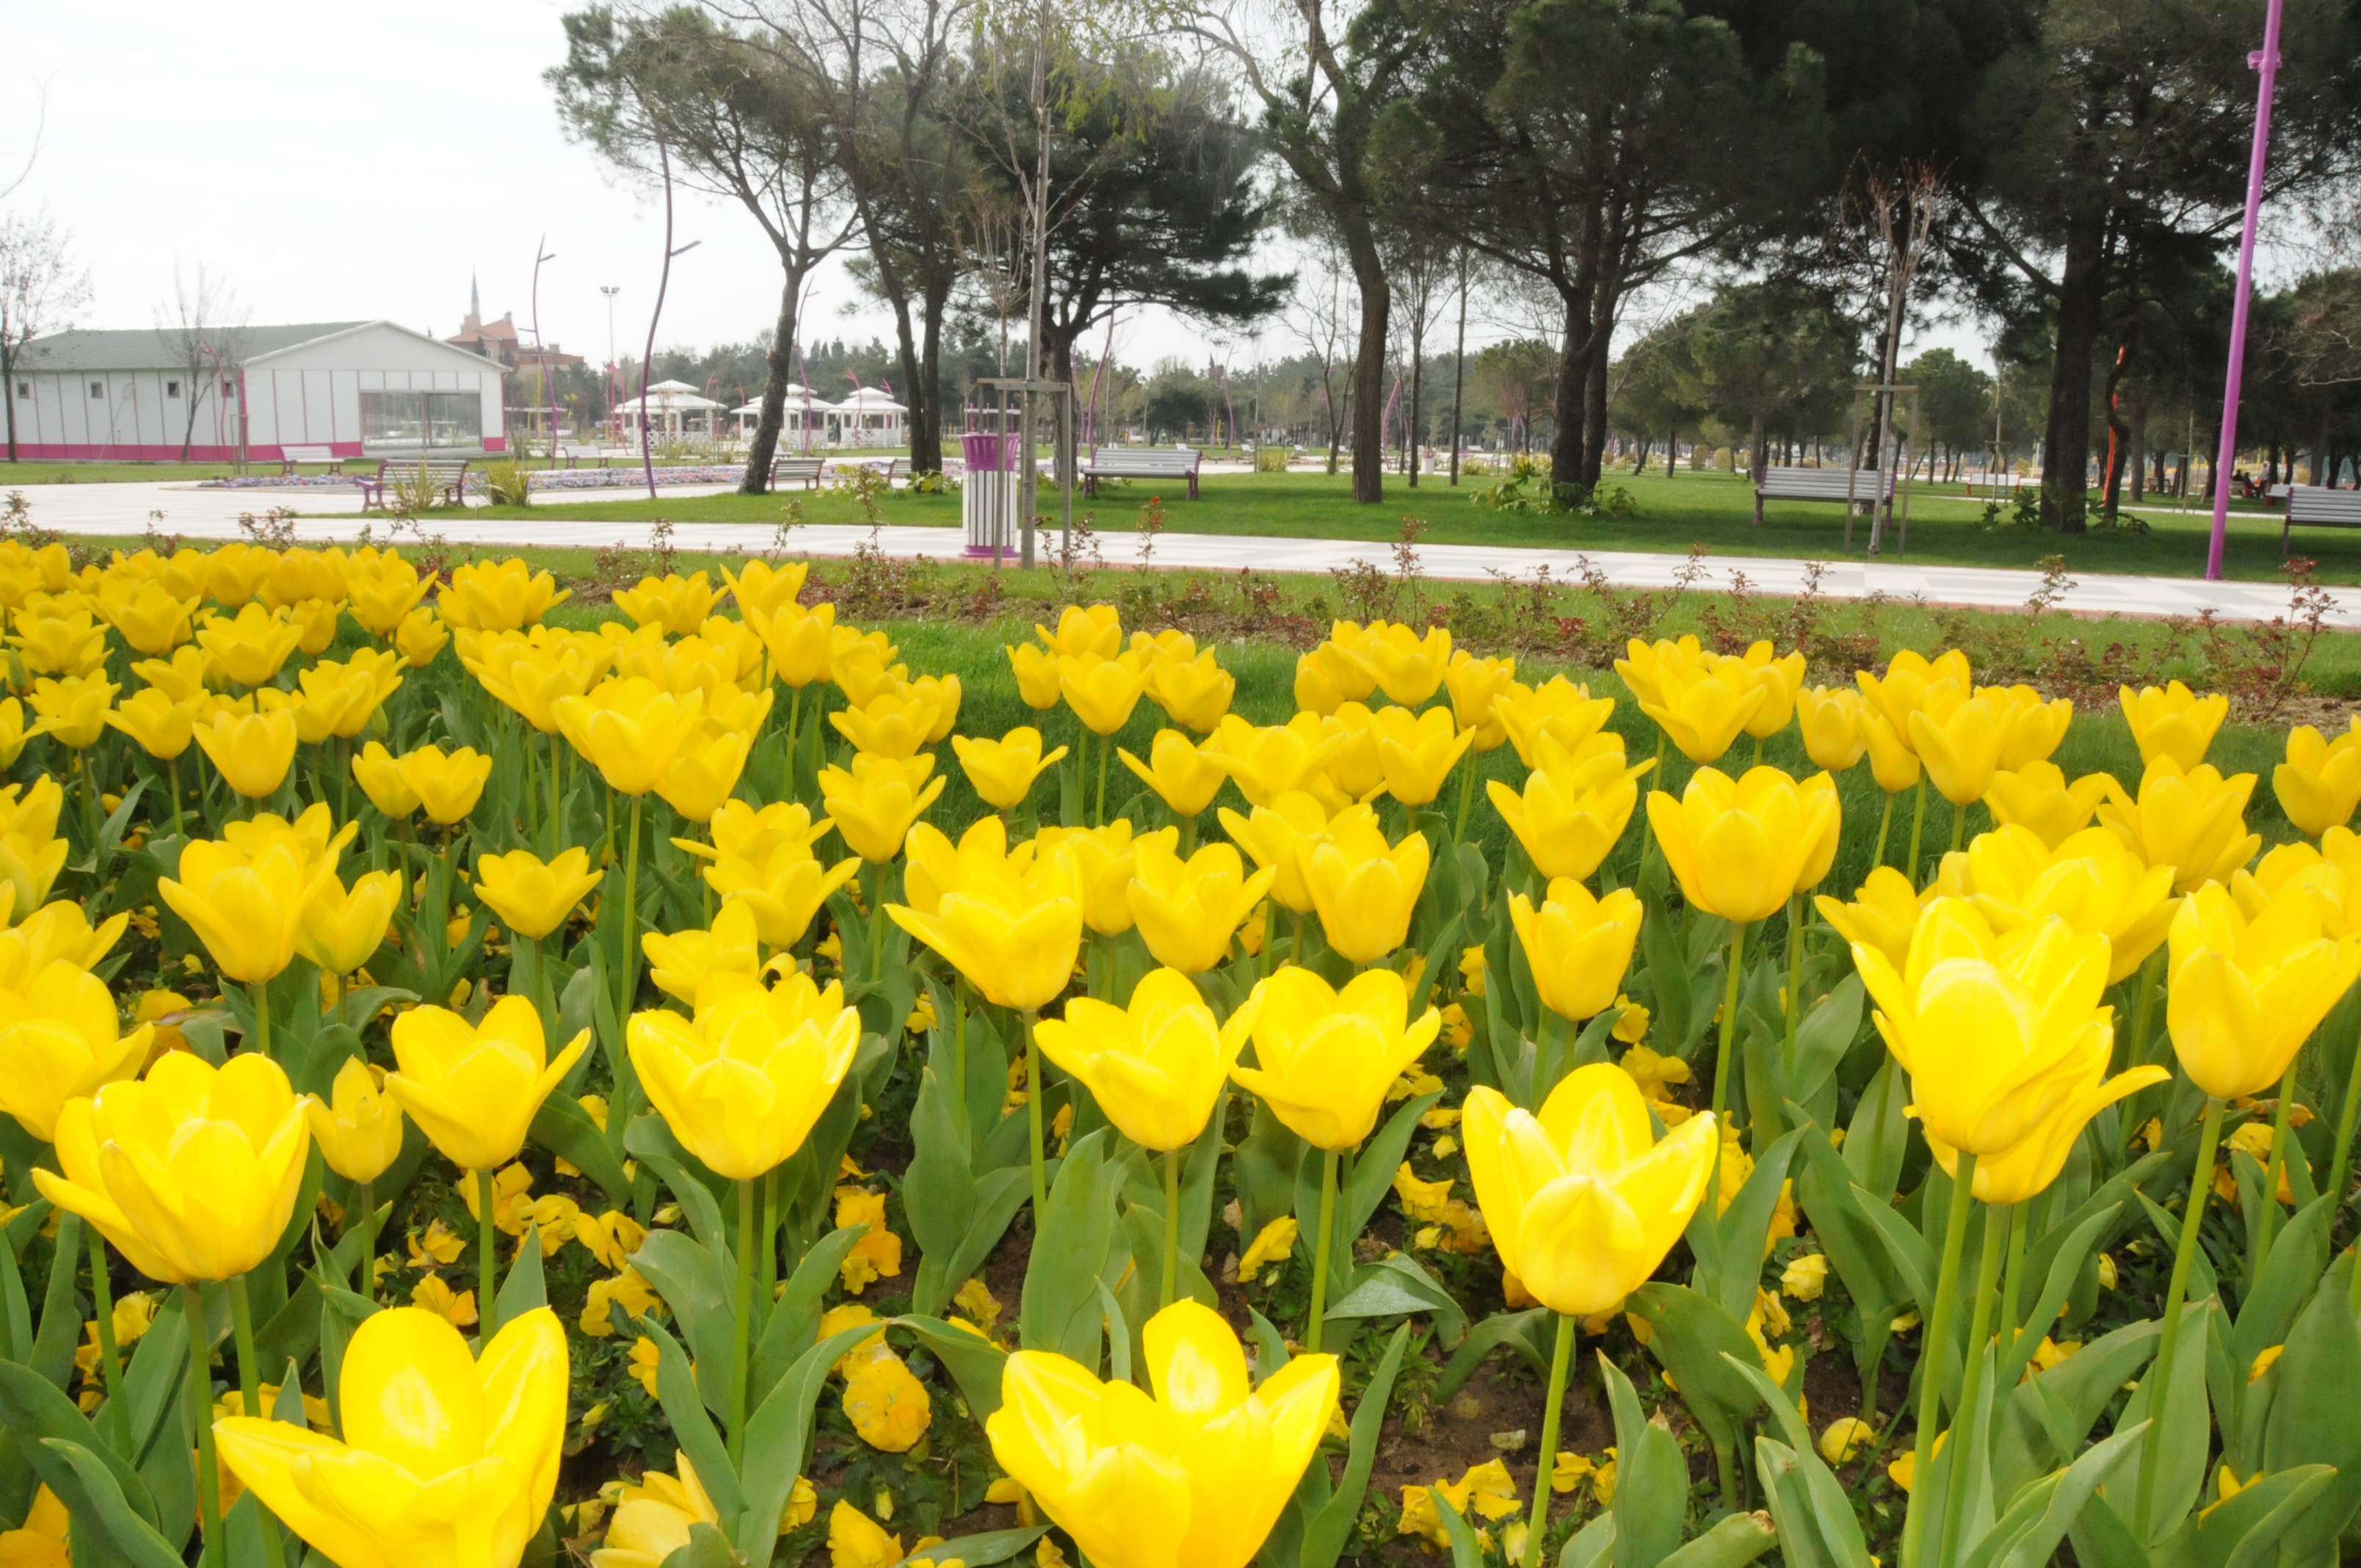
(572, 456)
(445, 476)
(1141, 463)
(807, 470)
(1817, 485)
(2319, 506)
(325, 456)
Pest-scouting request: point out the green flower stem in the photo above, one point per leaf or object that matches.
(1033, 1117)
(795, 723)
(102, 1296)
(1917, 826)
(1188, 836)
(172, 771)
(741, 1329)
(2159, 1377)
(1728, 1033)
(1930, 1377)
(2270, 1219)
(1794, 1008)
(627, 972)
(2143, 1020)
(959, 1051)
(768, 1280)
(875, 876)
(2341, 1171)
(366, 1221)
(1320, 1256)
(1648, 823)
(1560, 1356)
(1172, 1227)
(262, 1016)
(201, 1403)
(2009, 1321)
(1467, 796)
(249, 1377)
(1959, 825)
(1885, 826)
(487, 1288)
(556, 801)
(1955, 1495)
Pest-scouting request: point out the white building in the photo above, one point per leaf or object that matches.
(673, 407)
(806, 411)
(871, 418)
(356, 388)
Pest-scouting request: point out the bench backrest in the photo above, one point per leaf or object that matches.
(1821, 484)
(2318, 503)
(434, 467)
(797, 465)
(1144, 459)
(308, 453)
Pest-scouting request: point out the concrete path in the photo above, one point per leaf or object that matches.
(119, 509)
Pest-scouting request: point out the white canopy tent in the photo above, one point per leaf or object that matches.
(673, 408)
(871, 418)
(806, 411)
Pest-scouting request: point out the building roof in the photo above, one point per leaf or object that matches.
(154, 348)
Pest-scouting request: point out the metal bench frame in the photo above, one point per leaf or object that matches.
(1845, 487)
(1142, 462)
(449, 473)
(2319, 506)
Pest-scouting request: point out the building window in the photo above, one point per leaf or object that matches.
(24, 389)
(98, 389)
(422, 419)
(229, 387)
(172, 389)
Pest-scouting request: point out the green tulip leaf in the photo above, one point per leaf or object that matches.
(1593, 1545)
(1330, 1527)
(706, 1548)
(1466, 1551)
(46, 1424)
(1060, 1310)
(2310, 1420)
(2042, 1511)
(778, 1435)
(1735, 1541)
(975, 1363)
(698, 1286)
(1693, 1334)
(978, 1550)
(521, 1291)
(564, 1129)
(684, 1407)
(1816, 1518)
(796, 1318)
(1652, 1479)
(91, 1491)
(62, 1319)
(1526, 1332)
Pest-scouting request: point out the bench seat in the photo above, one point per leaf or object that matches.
(1141, 463)
(2319, 506)
(446, 476)
(325, 456)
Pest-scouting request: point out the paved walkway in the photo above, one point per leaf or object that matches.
(121, 510)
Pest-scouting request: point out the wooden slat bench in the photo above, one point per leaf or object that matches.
(325, 456)
(573, 455)
(1817, 485)
(1141, 463)
(783, 470)
(2318, 505)
(446, 476)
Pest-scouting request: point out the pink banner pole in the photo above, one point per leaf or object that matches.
(2266, 62)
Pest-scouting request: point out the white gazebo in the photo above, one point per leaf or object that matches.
(806, 411)
(871, 418)
(673, 408)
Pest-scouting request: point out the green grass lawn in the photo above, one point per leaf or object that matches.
(1715, 510)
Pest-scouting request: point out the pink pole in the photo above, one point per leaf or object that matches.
(2266, 62)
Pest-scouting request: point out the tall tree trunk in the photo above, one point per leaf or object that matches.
(925, 394)
(779, 368)
(1594, 413)
(1368, 394)
(1570, 398)
(2066, 442)
(9, 391)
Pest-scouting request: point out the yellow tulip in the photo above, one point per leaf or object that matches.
(304, 574)
(742, 1085)
(861, 663)
(28, 865)
(1584, 1201)
(1959, 739)
(1780, 680)
(672, 604)
(1407, 667)
(2320, 783)
(1104, 860)
(1995, 1031)
(163, 727)
(2193, 820)
(893, 722)
(59, 644)
(2172, 721)
(533, 896)
(2038, 797)
(315, 624)
(191, 1172)
(1645, 664)
(446, 1458)
(381, 601)
(360, 685)
(1184, 777)
(1892, 763)
(473, 1089)
(681, 962)
(1193, 693)
(1316, 690)
(1830, 719)
(799, 642)
(342, 930)
(1188, 911)
(1325, 1059)
(1014, 935)
(1579, 947)
(762, 589)
(704, 774)
(359, 1129)
(252, 752)
(654, 1516)
(235, 573)
(1418, 752)
(1197, 1476)
(55, 933)
(1365, 889)
(153, 621)
(2089, 880)
(31, 813)
(14, 733)
(935, 866)
(1574, 805)
(379, 775)
(1169, 646)
(1566, 712)
(2334, 877)
(1739, 847)
(529, 671)
(59, 1040)
(1002, 771)
(312, 837)
(874, 804)
(781, 882)
(1102, 691)
(1475, 686)
(1267, 763)
(250, 647)
(1279, 837)
(1354, 767)
(447, 786)
(2026, 1167)
(1037, 674)
(420, 638)
(73, 709)
(1702, 708)
(489, 597)
(1883, 915)
(2036, 725)
(1903, 688)
(1155, 1067)
(2245, 993)
(630, 730)
(247, 909)
(1097, 630)
(1352, 675)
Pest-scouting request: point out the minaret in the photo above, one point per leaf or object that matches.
(475, 309)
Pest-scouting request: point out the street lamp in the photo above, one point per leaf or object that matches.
(613, 371)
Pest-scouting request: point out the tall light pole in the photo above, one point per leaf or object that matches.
(2266, 62)
(613, 370)
(540, 349)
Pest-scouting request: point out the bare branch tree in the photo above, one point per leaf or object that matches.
(1888, 223)
(40, 288)
(205, 326)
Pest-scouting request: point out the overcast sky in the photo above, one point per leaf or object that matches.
(339, 161)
